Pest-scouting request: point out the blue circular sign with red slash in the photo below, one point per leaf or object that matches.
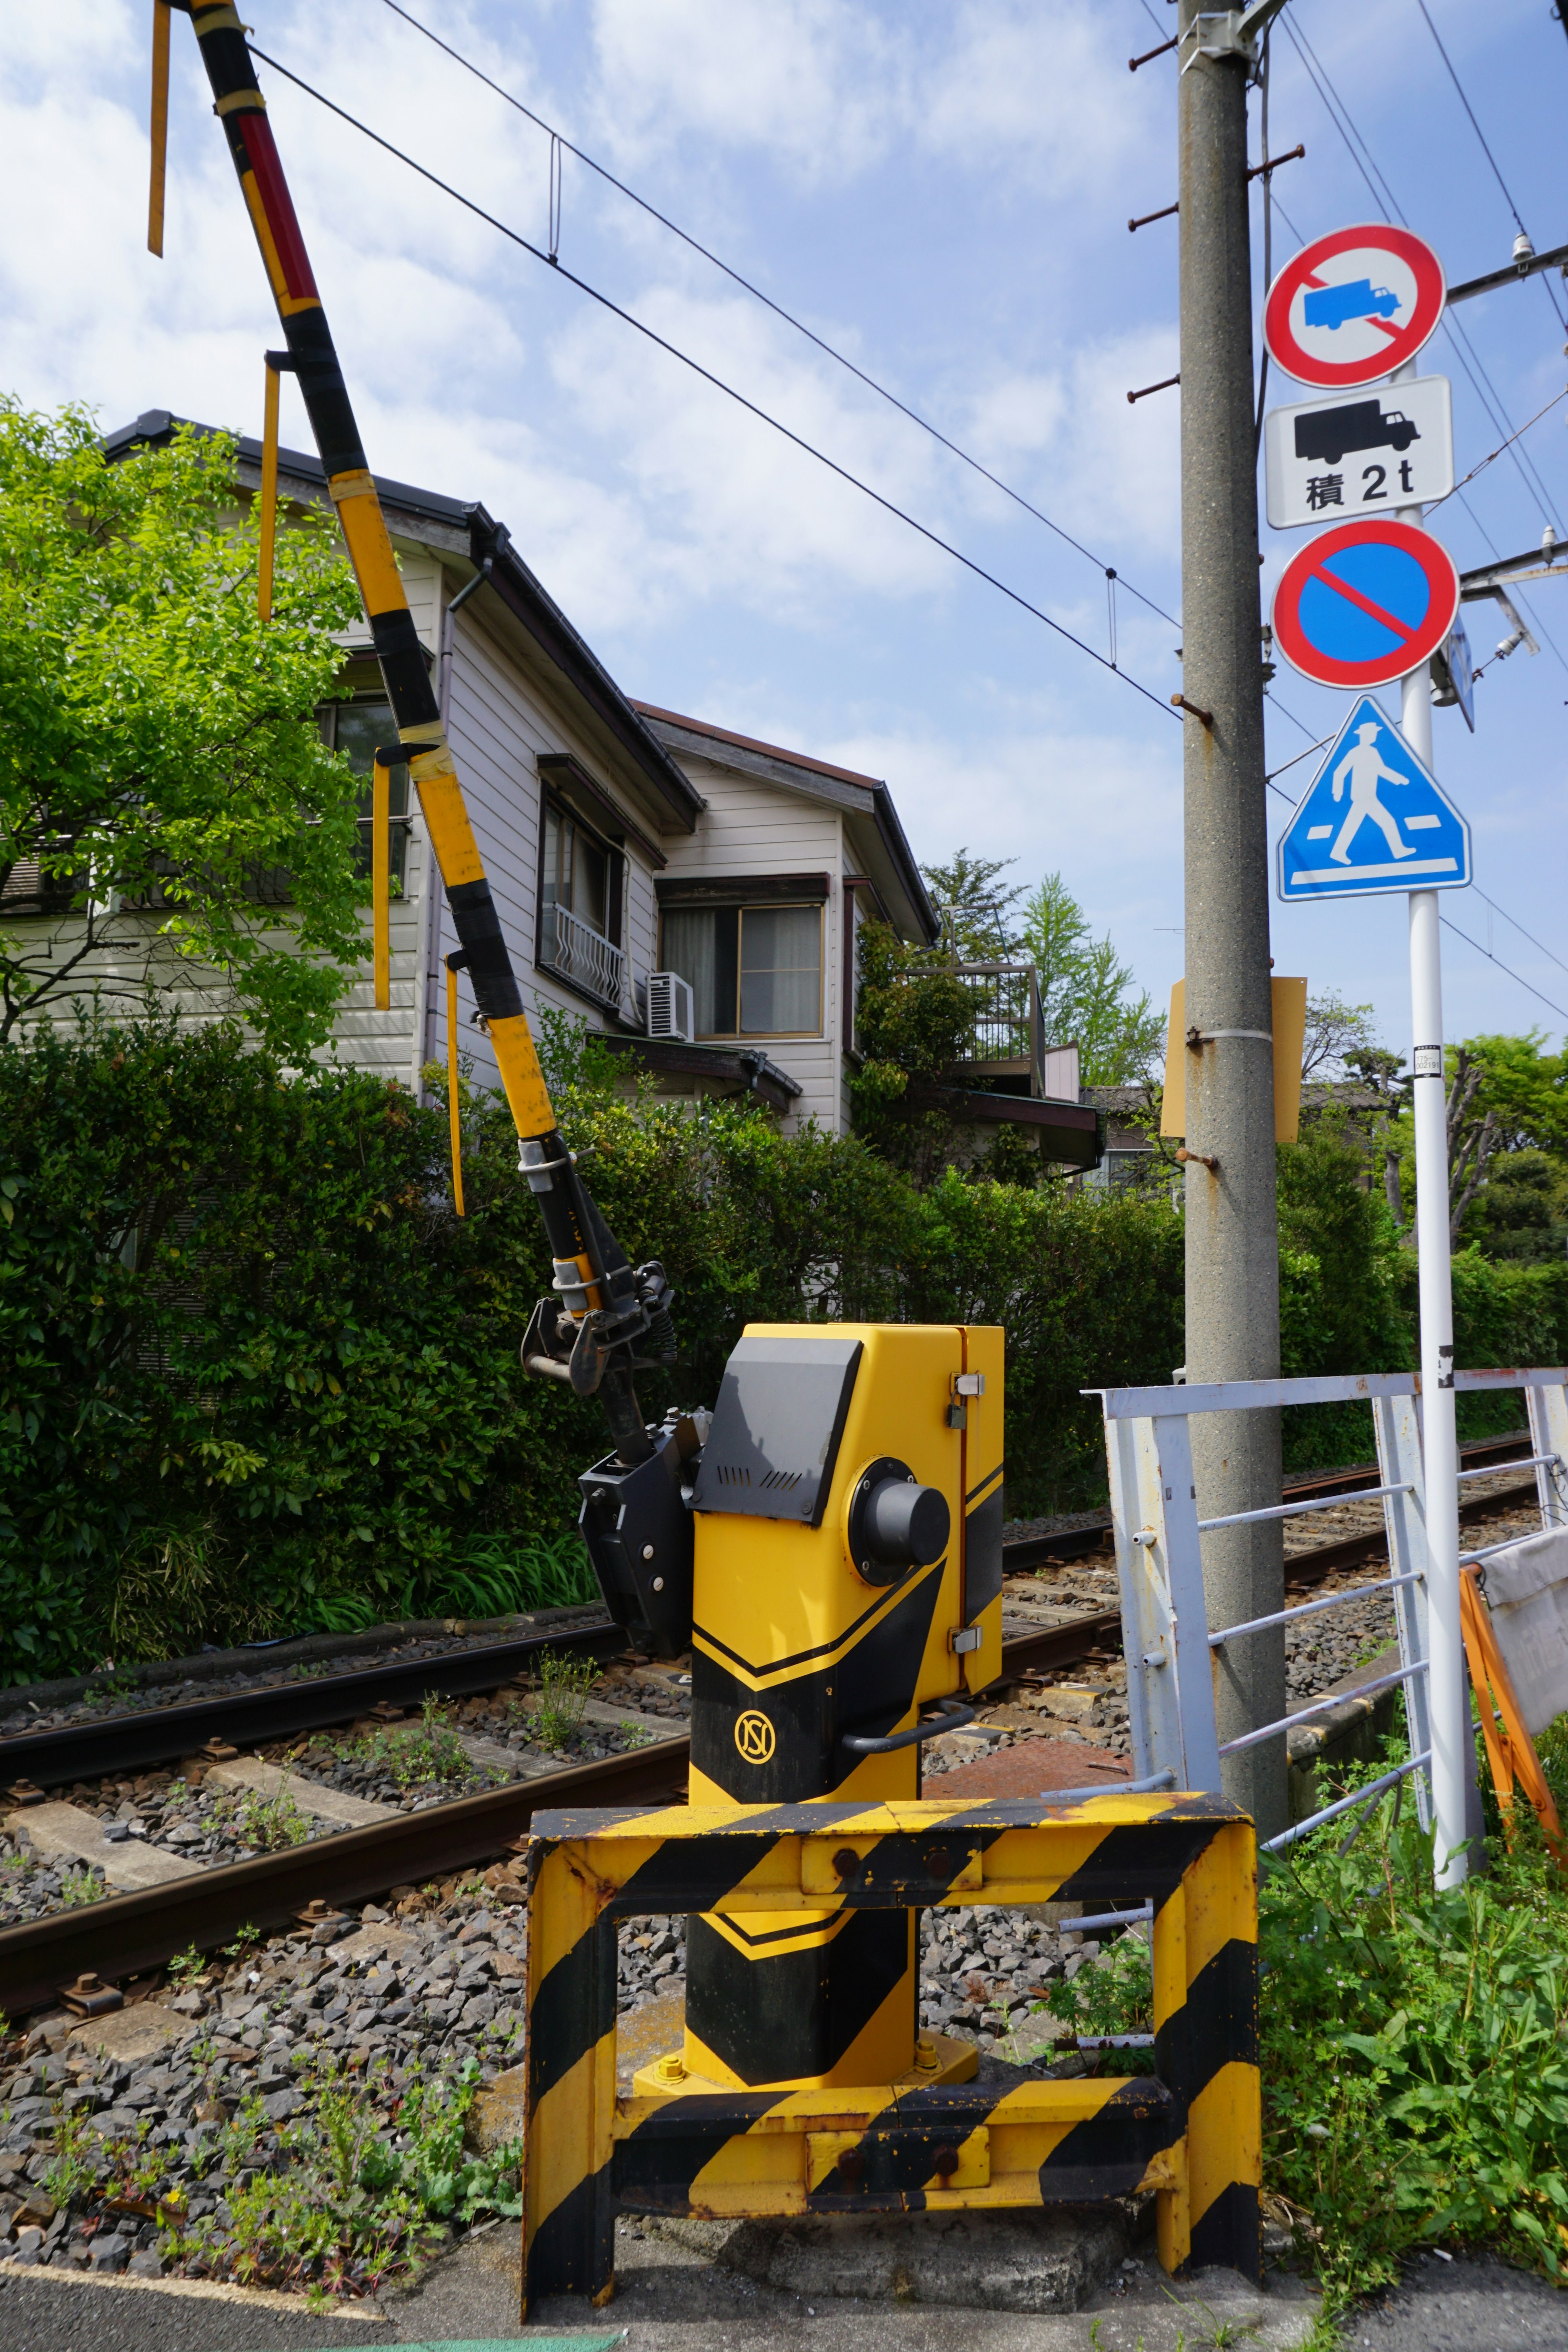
(1365, 602)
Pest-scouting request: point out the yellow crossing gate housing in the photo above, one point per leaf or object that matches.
(1191, 2132)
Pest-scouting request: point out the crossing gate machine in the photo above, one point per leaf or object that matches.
(829, 1547)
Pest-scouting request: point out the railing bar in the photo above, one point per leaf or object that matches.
(1323, 1706)
(1531, 1462)
(1107, 1919)
(1372, 1789)
(1294, 1510)
(1306, 1608)
(1165, 1779)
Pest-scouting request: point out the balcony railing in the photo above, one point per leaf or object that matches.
(1007, 1036)
(582, 955)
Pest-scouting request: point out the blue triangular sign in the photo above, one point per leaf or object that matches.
(1375, 819)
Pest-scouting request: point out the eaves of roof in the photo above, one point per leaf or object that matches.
(466, 528)
(868, 796)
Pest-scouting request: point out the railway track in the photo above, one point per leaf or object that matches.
(124, 1936)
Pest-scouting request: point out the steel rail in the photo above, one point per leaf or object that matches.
(126, 1935)
(117, 1744)
(129, 1743)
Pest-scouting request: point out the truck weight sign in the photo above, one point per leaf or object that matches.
(1362, 454)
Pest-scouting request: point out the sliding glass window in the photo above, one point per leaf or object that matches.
(755, 971)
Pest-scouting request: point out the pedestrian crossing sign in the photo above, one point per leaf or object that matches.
(1375, 819)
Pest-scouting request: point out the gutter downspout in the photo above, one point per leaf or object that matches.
(430, 941)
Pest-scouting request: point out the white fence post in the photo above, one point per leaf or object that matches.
(1164, 1627)
(1396, 1420)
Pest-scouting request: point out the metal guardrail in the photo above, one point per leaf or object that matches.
(1158, 1535)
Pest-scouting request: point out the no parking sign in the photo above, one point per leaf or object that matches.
(1365, 602)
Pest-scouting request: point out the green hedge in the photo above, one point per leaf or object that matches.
(255, 1378)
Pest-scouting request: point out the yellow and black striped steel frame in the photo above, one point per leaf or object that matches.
(791, 1651)
(580, 1243)
(1192, 2133)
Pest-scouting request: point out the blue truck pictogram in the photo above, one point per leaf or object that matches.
(1331, 306)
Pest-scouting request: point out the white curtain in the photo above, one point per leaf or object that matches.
(689, 949)
(781, 971)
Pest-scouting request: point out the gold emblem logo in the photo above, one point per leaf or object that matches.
(755, 1736)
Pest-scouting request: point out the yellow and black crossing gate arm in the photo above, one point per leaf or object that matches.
(604, 1307)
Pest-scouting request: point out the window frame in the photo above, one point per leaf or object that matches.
(740, 905)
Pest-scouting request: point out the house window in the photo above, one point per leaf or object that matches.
(755, 971)
(579, 907)
(359, 728)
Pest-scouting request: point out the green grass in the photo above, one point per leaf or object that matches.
(1414, 2044)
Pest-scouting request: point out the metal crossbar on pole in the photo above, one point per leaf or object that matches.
(1324, 1706)
(1372, 1790)
(1310, 1608)
(1295, 1510)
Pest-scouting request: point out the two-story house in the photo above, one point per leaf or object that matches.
(621, 840)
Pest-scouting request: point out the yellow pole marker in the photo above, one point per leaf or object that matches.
(381, 883)
(269, 498)
(453, 1112)
(159, 127)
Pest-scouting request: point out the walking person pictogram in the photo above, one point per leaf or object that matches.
(1364, 769)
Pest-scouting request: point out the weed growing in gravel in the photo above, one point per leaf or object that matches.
(74, 2165)
(268, 1824)
(430, 1751)
(564, 1687)
(1415, 2072)
(363, 2185)
(1114, 1995)
(84, 1886)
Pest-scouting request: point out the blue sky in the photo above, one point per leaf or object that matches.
(939, 190)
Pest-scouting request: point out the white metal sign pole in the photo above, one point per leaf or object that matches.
(1449, 1697)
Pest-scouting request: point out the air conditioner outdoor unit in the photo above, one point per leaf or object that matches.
(670, 1010)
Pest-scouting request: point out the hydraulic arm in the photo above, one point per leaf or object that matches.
(602, 1309)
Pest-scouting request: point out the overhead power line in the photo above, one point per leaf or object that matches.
(799, 325)
(1524, 983)
(629, 318)
(1486, 150)
(1382, 196)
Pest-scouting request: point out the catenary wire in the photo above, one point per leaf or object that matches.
(1386, 204)
(1519, 927)
(1486, 150)
(1469, 942)
(901, 514)
(779, 312)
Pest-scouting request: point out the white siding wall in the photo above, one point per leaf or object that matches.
(498, 725)
(753, 827)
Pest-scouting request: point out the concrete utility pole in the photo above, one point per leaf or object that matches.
(1232, 1231)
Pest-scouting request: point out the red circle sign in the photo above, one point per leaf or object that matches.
(1354, 306)
(1365, 602)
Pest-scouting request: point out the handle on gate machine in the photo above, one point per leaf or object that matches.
(954, 1715)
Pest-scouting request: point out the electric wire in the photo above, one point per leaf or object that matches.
(1386, 204)
(1496, 453)
(887, 504)
(1524, 983)
(778, 310)
(1519, 927)
(1491, 159)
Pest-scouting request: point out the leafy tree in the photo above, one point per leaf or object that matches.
(979, 924)
(1507, 1099)
(1085, 991)
(914, 1019)
(163, 783)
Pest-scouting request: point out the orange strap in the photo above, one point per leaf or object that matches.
(1510, 1751)
(159, 127)
(381, 882)
(454, 1111)
(268, 496)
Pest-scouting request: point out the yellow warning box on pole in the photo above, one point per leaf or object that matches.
(1288, 1028)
